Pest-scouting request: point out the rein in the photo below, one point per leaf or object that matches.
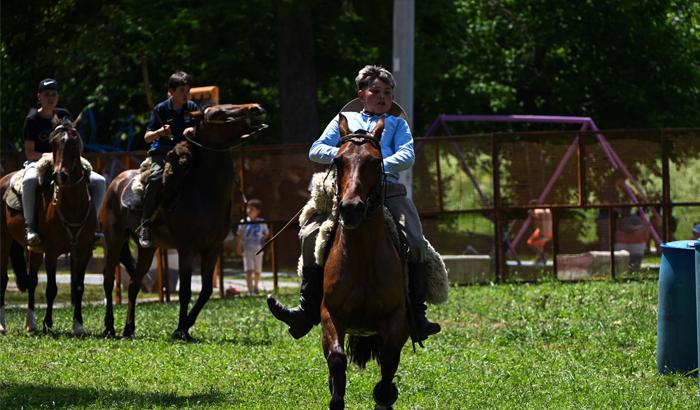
(68, 225)
(232, 147)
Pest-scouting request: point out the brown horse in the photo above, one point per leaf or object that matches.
(364, 275)
(66, 222)
(195, 222)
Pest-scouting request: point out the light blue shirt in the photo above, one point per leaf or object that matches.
(396, 142)
(252, 234)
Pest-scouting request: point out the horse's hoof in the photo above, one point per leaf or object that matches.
(181, 335)
(129, 333)
(47, 325)
(30, 325)
(337, 404)
(385, 396)
(109, 333)
(78, 329)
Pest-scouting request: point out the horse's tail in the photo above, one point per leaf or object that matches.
(19, 265)
(362, 349)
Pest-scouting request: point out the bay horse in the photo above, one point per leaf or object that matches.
(364, 277)
(195, 222)
(66, 221)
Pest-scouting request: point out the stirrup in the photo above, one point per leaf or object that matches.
(145, 237)
(32, 238)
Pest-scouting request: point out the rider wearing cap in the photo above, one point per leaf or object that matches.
(38, 125)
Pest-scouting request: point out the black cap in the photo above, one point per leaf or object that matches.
(48, 84)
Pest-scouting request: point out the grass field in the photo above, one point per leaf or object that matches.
(544, 346)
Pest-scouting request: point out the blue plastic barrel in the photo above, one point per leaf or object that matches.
(677, 339)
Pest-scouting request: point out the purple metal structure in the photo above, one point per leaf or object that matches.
(585, 123)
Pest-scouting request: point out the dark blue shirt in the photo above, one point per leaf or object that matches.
(38, 128)
(163, 113)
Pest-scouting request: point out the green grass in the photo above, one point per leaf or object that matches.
(545, 346)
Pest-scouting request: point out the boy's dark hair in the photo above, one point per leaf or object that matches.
(179, 78)
(255, 203)
(369, 73)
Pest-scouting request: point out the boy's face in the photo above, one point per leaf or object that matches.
(252, 212)
(377, 97)
(48, 99)
(180, 94)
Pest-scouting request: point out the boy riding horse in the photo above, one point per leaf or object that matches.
(376, 92)
(169, 124)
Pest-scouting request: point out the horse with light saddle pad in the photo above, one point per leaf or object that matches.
(66, 221)
(193, 218)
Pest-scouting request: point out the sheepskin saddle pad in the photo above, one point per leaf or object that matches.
(44, 167)
(132, 195)
(323, 202)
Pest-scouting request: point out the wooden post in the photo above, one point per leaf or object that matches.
(159, 275)
(219, 274)
(498, 223)
(166, 268)
(555, 240)
(273, 259)
(665, 189)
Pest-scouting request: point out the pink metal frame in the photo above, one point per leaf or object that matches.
(586, 124)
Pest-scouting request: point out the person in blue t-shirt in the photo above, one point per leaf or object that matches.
(170, 123)
(250, 237)
(376, 92)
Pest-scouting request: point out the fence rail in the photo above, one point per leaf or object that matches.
(480, 186)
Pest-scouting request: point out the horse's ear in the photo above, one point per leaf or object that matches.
(78, 121)
(343, 125)
(378, 129)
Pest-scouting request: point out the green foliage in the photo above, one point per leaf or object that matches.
(550, 345)
(626, 64)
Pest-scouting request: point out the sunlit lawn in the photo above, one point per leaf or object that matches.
(544, 346)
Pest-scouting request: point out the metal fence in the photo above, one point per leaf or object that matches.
(472, 189)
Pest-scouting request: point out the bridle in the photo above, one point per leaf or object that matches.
(69, 226)
(242, 139)
(375, 197)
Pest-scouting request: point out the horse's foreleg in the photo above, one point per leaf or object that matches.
(207, 273)
(145, 259)
(185, 260)
(393, 338)
(333, 342)
(30, 325)
(51, 291)
(79, 261)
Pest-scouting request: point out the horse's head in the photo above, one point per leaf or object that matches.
(226, 125)
(67, 148)
(360, 173)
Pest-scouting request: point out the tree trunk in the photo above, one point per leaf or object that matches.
(297, 73)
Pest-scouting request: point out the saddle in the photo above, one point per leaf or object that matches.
(176, 167)
(44, 167)
(323, 207)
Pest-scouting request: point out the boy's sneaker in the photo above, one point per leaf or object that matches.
(145, 237)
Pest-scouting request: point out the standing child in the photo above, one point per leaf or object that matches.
(250, 237)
